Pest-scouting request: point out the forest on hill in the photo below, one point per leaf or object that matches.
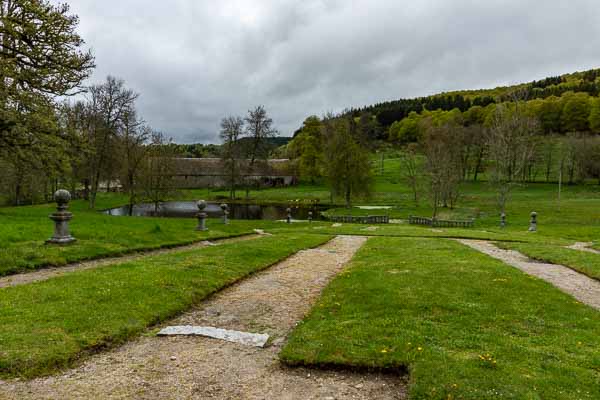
(386, 113)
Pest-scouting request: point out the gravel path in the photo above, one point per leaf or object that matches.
(581, 287)
(583, 246)
(47, 273)
(272, 302)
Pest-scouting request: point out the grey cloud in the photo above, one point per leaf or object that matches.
(194, 62)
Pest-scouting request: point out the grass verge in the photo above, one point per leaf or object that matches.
(465, 325)
(50, 324)
(585, 262)
(23, 232)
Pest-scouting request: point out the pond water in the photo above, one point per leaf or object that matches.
(183, 209)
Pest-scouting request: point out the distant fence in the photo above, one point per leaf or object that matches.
(439, 223)
(369, 219)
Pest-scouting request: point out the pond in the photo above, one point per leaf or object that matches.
(183, 209)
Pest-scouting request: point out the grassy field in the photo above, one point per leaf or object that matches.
(51, 324)
(466, 326)
(575, 217)
(24, 230)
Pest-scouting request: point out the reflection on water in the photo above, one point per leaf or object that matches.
(182, 209)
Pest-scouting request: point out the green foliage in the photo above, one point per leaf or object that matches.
(41, 57)
(550, 115)
(307, 147)
(405, 130)
(466, 326)
(576, 112)
(347, 164)
(595, 116)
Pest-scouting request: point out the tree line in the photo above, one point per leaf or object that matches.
(507, 143)
(386, 113)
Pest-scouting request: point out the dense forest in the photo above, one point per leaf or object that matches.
(587, 82)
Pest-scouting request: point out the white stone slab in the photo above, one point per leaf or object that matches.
(246, 338)
(374, 207)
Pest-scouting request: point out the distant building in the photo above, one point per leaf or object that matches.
(193, 173)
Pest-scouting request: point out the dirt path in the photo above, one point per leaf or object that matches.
(583, 246)
(272, 302)
(47, 273)
(581, 287)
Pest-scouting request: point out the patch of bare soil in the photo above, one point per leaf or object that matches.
(272, 302)
(581, 287)
(47, 273)
(583, 246)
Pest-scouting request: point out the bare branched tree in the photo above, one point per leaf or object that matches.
(411, 170)
(511, 143)
(442, 147)
(157, 177)
(259, 128)
(108, 105)
(133, 152)
(231, 131)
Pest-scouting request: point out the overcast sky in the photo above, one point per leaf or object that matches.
(196, 61)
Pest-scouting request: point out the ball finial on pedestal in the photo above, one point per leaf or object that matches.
(201, 204)
(61, 219)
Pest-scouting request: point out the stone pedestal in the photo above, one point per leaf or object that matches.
(201, 204)
(533, 223)
(225, 213)
(61, 219)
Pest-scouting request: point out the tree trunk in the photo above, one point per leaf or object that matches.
(131, 193)
(478, 165)
(86, 189)
(348, 195)
(94, 192)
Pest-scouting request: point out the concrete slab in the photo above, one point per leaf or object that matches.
(245, 338)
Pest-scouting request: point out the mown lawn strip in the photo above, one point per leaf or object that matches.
(585, 262)
(465, 325)
(23, 231)
(50, 324)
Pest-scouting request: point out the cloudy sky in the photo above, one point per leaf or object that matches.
(196, 61)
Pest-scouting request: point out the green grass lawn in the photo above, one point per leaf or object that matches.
(465, 325)
(51, 324)
(23, 232)
(584, 262)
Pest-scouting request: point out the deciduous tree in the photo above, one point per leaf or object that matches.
(232, 129)
(347, 164)
(511, 144)
(259, 128)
